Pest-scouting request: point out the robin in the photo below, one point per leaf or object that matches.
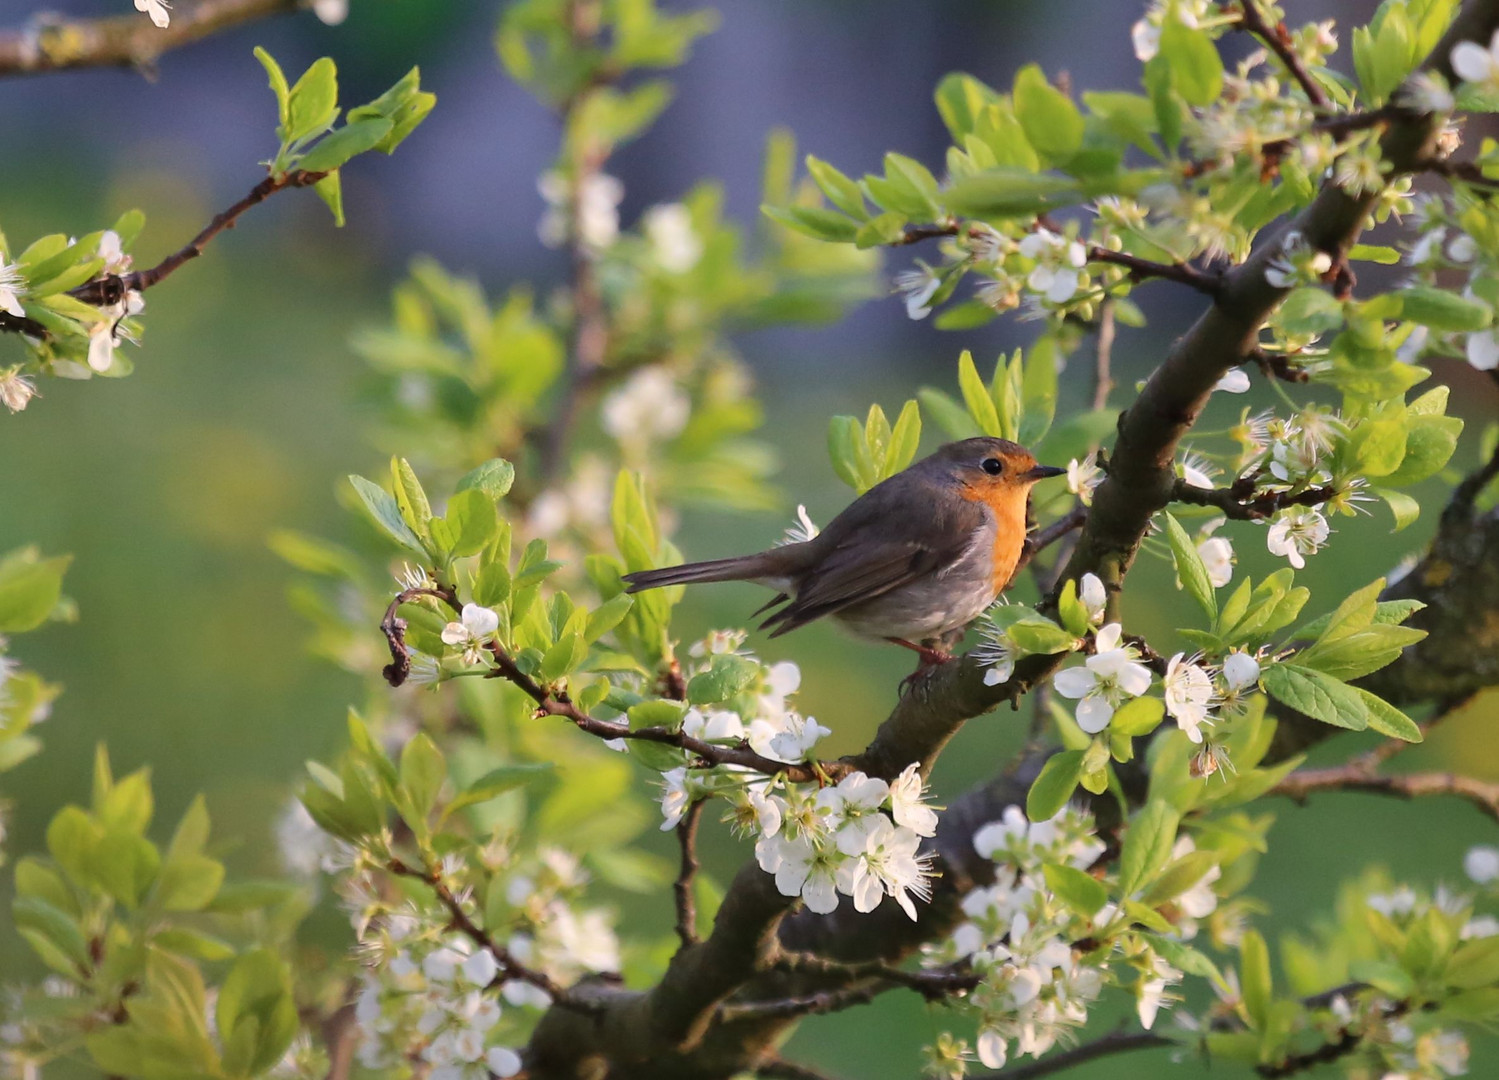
(914, 558)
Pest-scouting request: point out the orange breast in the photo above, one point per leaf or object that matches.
(1007, 504)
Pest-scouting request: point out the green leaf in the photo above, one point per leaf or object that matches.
(1254, 979)
(472, 521)
(496, 782)
(494, 478)
(1051, 122)
(726, 676)
(1147, 845)
(1058, 779)
(331, 190)
(841, 191)
(314, 102)
(30, 589)
(1190, 569)
(386, 513)
(1081, 892)
(815, 221)
(1138, 716)
(1193, 60)
(278, 86)
(410, 498)
(188, 883)
(905, 437)
(1038, 391)
(1443, 310)
(1430, 442)
(423, 771)
(976, 396)
(1403, 508)
(1474, 964)
(1319, 696)
(1388, 720)
(336, 148)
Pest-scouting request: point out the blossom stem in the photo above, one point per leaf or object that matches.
(682, 887)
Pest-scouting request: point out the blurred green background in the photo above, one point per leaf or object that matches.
(243, 416)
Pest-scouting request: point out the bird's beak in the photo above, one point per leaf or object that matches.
(1041, 472)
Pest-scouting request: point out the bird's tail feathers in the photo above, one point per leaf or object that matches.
(739, 568)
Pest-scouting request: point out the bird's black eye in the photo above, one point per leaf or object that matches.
(993, 466)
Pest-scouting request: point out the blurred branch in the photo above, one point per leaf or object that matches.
(1278, 41)
(682, 887)
(590, 329)
(1355, 776)
(55, 43)
(1103, 380)
(781, 1069)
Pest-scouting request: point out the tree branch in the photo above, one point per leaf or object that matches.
(781, 1069)
(1354, 776)
(510, 967)
(1117, 1042)
(1278, 41)
(1204, 281)
(682, 887)
(1240, 502)
(54, 43)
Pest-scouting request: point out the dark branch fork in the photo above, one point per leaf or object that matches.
(1241, 501)
(682, 887)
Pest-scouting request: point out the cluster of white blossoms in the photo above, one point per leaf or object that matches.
(1035, 990)
(674, 243)
(596, 207)
(858, 838)
(649, 408)
(434, 996)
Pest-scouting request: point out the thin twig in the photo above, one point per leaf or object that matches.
(510, 967)
(682, 887)
(1279, 42)
(1207, 282)
(915, 234)
(824, 1001)
(1042, 539)
(56, 43)
(1117, 1042)
(1279, 366)
(934, 984)
(1240, 502)
(109, 289)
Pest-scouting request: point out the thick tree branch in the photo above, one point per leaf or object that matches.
(54, 43)
(1353, 776)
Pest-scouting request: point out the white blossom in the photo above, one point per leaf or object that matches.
(1462, 248)
(906, 806)
(1240, 670)
(649, 407)
(794, 742)
(12, 288)
(1297, 263)
(985, 243)
(675, 798)
(1083, 476)
(1105, 680)
(502, 1061)
(917, 287)
(997, 652)
(888, 865)
(1094, 597)
(1298, 531)
(1476, 64)
(1481, 864)
(808, 871)
(801, 530)
(16, 390)
(1059, 262)
(1483, 350)
(472, 629)
(674, 243)
(597, 209)
(331, 12)
(159, 11)
(1189, 695)
(1234, 381)
(852, 808)
(1217, 555)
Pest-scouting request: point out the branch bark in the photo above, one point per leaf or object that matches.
(59, 44)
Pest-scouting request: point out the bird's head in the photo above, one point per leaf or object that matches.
(994, 471)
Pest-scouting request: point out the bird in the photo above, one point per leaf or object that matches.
(915, 558)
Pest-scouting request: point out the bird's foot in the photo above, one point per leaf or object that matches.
(929, 658)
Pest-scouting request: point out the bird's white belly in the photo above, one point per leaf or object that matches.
(933, 605)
